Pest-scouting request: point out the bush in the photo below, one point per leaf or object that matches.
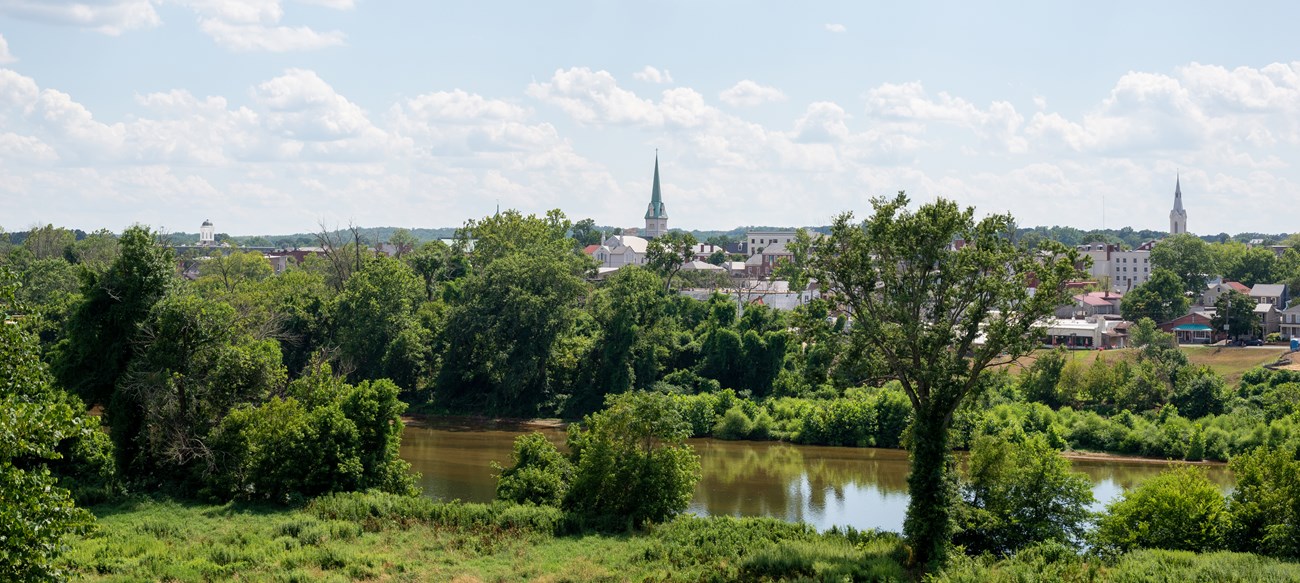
(1017, 494)
(632, 463)
(1180, 509)
(1265, 506)
(538, 473)
(735, 424)
(327, 436)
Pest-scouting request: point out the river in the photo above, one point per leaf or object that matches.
(823, 486)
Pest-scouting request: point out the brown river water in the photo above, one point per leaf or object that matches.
(822, 486)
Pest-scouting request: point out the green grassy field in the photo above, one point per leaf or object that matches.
(385, 538)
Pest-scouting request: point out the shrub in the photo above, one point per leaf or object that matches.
(538, 473)
(1180, 509)
(1016, 494)
(735, 424)
(1265, 505)
(328, 436)
(632, 463)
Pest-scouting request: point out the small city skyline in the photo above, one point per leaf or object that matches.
(289, 114)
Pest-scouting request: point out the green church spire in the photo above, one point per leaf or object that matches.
(656, 208)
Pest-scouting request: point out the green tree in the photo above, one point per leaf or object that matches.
(1248, 265)
(323, 436)
(667, 253)
(404, 241)
(1162, 298)
(36, 512)
(1190, 258)
(49, 242)
(1145, 333)
(376, 327)
(1039, 382)
(97, 347)
(585, 233)
(1235, 314)
(227, 272)
(500, 337)
(1018, 494)
(97, 251)
(538, 473)
(629, 309)
(1265, 503)
(1201, 392)
(1180, 509)
(510, 232)
(922, 304)
(632, 464)
(435, 263)
(192, 365)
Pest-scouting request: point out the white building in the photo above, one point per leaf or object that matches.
(619, 250)
(1123, 269)
(760, 241)
(207, 234)
(1178, 216)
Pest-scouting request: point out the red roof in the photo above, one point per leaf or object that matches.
(590, 249)
(1241, 287)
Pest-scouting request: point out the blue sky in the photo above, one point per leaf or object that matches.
(271, 116)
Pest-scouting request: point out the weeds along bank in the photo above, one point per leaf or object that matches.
(1207, 421)
(347, 537)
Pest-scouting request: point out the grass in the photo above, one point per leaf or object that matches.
(387, 538)
(381, 537)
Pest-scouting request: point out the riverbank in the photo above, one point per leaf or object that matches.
(484, 423)
(369, 537)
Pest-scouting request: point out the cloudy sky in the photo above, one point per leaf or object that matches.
(271, 116)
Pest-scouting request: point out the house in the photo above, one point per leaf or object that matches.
(1289, 322)
(619, 250)
(1214, 291)
(1193, 328)
(1270, 293)
(1268, 318)
(1086, 333)
(761, 241)
(1098, 303)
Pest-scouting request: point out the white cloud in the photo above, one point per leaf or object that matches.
(273, 39)
(5, 56)
(594, 97)
(823, 121)
(836, 28)
(749, 93)
(112, 17)
(254, 25)
(910, 103)
(652, 75)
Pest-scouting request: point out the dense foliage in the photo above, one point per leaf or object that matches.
(628, 465)
(38, 426)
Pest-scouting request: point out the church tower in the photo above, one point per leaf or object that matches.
(656, 216)
(1178, 216)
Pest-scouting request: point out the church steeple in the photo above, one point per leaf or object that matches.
(1178, 216)
(656, 214)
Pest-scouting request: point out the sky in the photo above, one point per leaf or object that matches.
(277, 116)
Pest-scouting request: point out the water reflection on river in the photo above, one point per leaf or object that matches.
(823, 486)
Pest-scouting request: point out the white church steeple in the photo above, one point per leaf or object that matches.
(1178, 216)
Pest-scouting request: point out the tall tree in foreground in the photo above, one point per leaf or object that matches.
(36, 513)
(97, 346)
(939, 316)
